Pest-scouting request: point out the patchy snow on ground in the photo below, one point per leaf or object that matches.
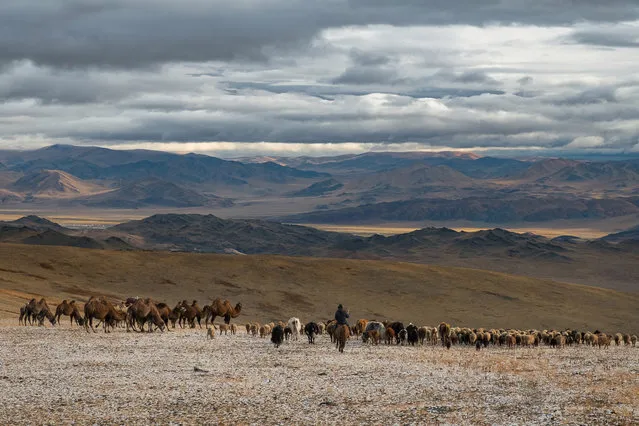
(60, 375)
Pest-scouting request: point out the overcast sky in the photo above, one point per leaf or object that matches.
(320, 77)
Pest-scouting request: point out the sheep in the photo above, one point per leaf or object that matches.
(224, 328)
(288, 332)
(423, 334)
(603, 340)
(633, 340)
(296, 327)
(210, 332)
(311, 329)
(277, 335)
(376, 325)
(411, 334)
(402, 336)
(233, 329)
(390, 336)
(255, 329)
(360, 326)
(374, 336)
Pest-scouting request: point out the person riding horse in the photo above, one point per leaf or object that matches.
(341, 315)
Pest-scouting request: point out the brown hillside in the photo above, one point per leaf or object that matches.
(53, 183)
(273, 287)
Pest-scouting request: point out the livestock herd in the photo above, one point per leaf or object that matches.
(135, 313)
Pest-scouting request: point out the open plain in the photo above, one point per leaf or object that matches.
(60, 375)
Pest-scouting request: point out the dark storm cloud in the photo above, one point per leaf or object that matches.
(606, 39)
(453, 73)
(141, 33)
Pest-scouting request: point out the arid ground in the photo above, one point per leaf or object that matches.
(62, 374)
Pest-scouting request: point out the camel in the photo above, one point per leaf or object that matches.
(103, 310)
(36, 311)
(144, 311)
(165, 313)
(190, 313)
(221, 308)
(25, 313)
(69, 309)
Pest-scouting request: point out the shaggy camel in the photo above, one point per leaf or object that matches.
(221, 308)
(103, 310)
(32, 311)
(165, 313)
(190, 313)
(69, 309)
(144, 311)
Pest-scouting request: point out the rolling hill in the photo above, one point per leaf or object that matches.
(502, 210)
(318, 188)
(274, 287)
(53, 183)
(153, 192)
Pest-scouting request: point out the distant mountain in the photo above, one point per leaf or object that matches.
(373, 161)
(101, 163)
(627, 235)
(618, 172)
(211, 234)
(544, 168)
(318, 188)
(415, 176)
(52, 183)
(34, 230)
(495, 210)
(154, 192)
(37, 223)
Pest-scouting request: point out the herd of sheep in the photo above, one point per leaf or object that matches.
(135, 313)
(395, 333)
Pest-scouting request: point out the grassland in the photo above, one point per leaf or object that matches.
(274, 287)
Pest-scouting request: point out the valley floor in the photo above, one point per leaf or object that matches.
(59, 375)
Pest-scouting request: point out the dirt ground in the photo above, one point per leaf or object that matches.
(60, 375)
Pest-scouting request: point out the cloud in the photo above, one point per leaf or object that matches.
(318, 76)
(142, 33)
(586, 142)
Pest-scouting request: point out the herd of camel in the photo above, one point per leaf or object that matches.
(134, 313)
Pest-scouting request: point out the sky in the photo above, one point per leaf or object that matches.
(321, 77)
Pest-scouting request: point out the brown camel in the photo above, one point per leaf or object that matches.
(141, 312)
(190, 313)
(69, 309)
(36, 311)
(221, 308)
(25, 313)
(103, 310)
(165, 313)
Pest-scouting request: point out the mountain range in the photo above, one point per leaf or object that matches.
(371, 187)
(599, 262)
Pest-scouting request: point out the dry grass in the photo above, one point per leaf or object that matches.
(58, 375)
(273, 287)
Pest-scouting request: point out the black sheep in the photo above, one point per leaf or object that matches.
(277, 335)
(412, 336)
(311, 329)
